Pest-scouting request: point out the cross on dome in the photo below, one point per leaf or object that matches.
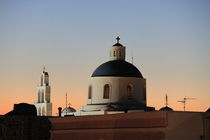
(118, 39)
(118, 42)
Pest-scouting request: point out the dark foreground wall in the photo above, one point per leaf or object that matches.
(24, 128)
(207, 127)
(156, 125)
(130, 126)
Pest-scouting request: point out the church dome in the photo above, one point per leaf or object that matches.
(68, 110)
(208, 110)
(166, 108)
(118, 44)
(119, 68)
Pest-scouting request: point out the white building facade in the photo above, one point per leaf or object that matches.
(115, 86)
(43, 103)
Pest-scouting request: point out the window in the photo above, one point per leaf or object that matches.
(42, 97)
(106, 91)
(39, 97)
(114, 53)
(89, 92)
(129, 90)
(120, 53)
(41, 81)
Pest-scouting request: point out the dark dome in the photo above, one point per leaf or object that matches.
(166, 108)
(119, 68)
(118, 44)
(68, 110)
(208, 110)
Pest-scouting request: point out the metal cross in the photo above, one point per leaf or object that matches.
(118, 39)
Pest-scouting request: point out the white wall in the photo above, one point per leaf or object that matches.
(118, 89)
(117, 53)
(46, 109)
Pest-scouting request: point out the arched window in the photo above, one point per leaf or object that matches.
(89, 92)
(39, 97)
(42, 97)
(120, 53)
(41, 81)
(106, 91)
(129, 90)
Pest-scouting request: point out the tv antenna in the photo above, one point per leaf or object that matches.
(185, 100)
(132, 58)
(66, 103)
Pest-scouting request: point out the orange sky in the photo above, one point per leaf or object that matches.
(25, 91)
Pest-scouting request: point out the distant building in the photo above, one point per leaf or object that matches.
(43, 104)
(116, 86)
(68, 111)
(166, 108)
(23, 109)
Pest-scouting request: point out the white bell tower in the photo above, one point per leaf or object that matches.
(43, 103)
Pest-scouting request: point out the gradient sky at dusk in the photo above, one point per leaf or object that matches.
(170, 42)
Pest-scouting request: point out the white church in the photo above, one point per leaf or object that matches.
(116, 86)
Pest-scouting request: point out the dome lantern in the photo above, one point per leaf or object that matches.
(117, 51)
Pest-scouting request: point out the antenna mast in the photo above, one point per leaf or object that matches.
(66, 103)
(185, 100)
(132, 58)
(166, 100)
